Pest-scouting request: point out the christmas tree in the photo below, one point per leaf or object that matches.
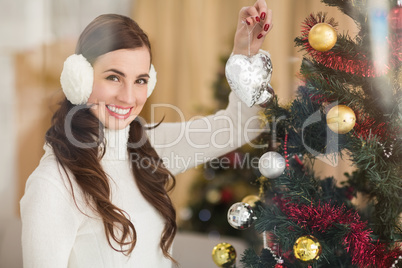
(349, 106)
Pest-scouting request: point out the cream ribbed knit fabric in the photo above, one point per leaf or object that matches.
(58, 234)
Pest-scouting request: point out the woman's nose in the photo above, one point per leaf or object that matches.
(126, 94)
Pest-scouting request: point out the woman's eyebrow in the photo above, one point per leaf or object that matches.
(115, 71)
(143, 75)
(123, 75)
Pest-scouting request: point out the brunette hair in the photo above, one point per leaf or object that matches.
(105, 34)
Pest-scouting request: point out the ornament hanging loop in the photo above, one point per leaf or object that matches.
(250, 29)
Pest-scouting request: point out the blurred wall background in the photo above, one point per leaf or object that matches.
(188, 38)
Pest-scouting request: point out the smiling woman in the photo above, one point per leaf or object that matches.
(120, 87)
(99, 197)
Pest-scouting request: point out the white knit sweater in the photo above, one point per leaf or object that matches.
(57, 232)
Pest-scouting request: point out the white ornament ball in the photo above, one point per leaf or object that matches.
(271, 165)
(241, 216)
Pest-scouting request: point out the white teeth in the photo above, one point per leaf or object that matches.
(118, 110)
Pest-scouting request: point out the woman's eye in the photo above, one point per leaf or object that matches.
(113, 78)
(142, 81)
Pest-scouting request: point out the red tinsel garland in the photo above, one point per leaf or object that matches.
(357, 242)
(358, 64)
(367, 127)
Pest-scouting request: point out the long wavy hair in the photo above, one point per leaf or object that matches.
(104, 34)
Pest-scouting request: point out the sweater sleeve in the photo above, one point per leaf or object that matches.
(49, 223)
(184, 145)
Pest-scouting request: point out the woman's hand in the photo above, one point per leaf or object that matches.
(253, 24)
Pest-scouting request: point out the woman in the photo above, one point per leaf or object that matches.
(99, 197)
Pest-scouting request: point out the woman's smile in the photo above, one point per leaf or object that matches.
(118, 111)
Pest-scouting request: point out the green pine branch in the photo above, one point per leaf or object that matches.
(384, 178)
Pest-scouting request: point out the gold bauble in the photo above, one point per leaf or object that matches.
(322, 37)
(341, 119)
(224, 255)
(251, 200)
(307, 248)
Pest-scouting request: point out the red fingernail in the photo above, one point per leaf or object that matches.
(248, 23)
(259, 36)
(257, 19)
(266, 27)
(263, 15)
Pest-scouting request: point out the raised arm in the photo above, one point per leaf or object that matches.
(184, 145)
(187, 144)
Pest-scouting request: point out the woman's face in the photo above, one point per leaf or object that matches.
(120, 86)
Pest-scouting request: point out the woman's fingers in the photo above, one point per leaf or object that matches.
(257, 14)
(261, 8)
(249, 15)
(266, 24)
(254, 23)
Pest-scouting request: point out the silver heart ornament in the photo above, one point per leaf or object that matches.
(249, 77)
